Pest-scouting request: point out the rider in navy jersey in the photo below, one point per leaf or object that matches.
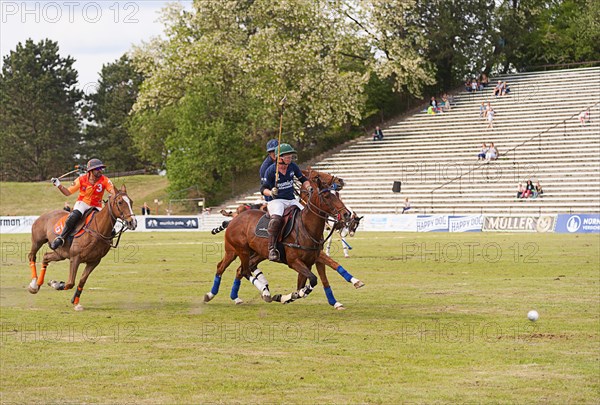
(282, 192)
(269, 160)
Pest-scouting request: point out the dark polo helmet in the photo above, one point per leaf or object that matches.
(95, 164)
(272, 145)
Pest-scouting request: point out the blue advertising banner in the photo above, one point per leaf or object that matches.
(578, 223)
(154, 223)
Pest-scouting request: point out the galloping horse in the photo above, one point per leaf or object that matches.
(302, 246)
(89, 247)
(323, 260)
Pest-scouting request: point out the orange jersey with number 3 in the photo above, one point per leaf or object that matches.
(89, 193)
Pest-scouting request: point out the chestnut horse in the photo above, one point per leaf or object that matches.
(322, 261)
(89, 248)
(302, 246)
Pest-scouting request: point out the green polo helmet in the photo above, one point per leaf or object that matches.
(285, 149)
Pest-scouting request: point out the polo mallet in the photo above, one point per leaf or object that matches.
(282, 105)
(71, 172)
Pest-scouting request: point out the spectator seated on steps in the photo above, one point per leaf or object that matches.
(498, 89)
(378, 134)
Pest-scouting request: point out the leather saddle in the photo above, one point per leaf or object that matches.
(78, 230)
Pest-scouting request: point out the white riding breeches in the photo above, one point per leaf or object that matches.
(81, 207)
(276, 207)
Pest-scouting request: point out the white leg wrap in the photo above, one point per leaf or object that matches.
(261, 277)
(286, 298)
(354, 280)
(258, 284)
(33, 285)
(338, 305)
(238, 301)
(210, 295)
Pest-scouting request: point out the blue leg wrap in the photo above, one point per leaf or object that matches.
(330, 298)
(347, 276)
(235, 288)
(216, 284)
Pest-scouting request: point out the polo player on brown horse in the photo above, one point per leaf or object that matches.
(93, 241)
(302, 246)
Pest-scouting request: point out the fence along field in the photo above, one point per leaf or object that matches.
(428, 326)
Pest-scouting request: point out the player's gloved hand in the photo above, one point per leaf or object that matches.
(55, 181)
(274, 191)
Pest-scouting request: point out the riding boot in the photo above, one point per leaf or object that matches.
(273, 230)
(70, 223)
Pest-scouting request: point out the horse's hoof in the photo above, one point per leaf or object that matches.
(339, 306)
(208, 296)
(238, 301)
(267, 298)
(358, 284)
(78, 307)
(33, 288)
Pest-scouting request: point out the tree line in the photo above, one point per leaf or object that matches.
(202, 101)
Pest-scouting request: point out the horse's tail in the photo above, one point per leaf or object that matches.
(220, 228)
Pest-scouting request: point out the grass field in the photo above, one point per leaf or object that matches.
(43, 197)
(442, 319)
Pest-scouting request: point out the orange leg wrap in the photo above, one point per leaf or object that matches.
(42, 275)
(33, 269)
(76, 296)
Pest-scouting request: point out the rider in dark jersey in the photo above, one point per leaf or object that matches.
(279, 184)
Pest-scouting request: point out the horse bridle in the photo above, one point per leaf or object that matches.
(114, 218)
(121, 213)
(319, 213)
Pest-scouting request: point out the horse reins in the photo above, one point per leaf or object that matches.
(109, 239)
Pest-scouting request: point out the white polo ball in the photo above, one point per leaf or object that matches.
(533, 315)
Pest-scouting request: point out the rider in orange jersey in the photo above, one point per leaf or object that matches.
(91, 187)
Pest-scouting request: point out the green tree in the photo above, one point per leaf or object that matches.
(107, 136)
(456, 34)
(39, 112)
(539, 32)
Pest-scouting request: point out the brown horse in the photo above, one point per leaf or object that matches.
(259, 280)
(302, 246)
(90, 247)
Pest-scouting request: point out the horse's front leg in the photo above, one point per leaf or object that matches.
(327, 288)
(328, 261)
(88, 269)
(303, 291)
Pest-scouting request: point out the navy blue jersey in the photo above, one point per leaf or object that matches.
(285, 182)
(263, 172)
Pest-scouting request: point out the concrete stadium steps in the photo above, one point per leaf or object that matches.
(536, 130)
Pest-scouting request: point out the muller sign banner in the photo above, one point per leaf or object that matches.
(544, 223)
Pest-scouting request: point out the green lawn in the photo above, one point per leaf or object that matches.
(37, 198)
(442, 319)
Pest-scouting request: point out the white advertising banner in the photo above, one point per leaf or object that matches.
(17, 224)
(432, 223)
(465, 223)
(389, 223)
